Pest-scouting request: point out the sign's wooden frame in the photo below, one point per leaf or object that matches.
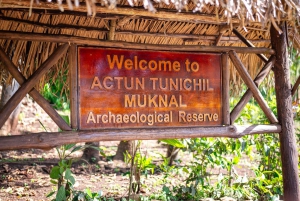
(46, 140)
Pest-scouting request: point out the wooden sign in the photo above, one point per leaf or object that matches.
(134, 88)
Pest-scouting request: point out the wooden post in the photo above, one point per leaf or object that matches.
(288, 147)
(73, 86)
(225, 89)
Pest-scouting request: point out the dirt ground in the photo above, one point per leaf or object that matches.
(25, 173)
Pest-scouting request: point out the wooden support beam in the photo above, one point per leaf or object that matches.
(288, 147)
(119, 44)
(248, 94)
(218, 39)
(185, 37)
(249, 44)
(73, 75)
(46, 140)
(131, 11)
(225, 89)
(112, 29)
(13, 70)
(248, 81)
(296, 85)
(29, 84)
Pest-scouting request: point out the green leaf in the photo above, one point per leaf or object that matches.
(61, 170)
(54, 174)
(68, 174)
(235, 160)
(193, 191)
(53, 181)
(61, 194)
(174, 142)
(50, 194)
(72, 180)
(89, 192)
(185, 170)
(66, 118)
(76, 149)
(69, 146)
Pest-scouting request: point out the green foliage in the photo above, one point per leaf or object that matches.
(62, 176)
(175, 143)
(139, 164)
(56, 92)
(225, 155)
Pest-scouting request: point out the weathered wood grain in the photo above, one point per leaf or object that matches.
(288, 146)
(73, 85)
(296, 85)
(225, 89)
(249, 82)
(186, 37)
(248, 43)
(29, 84)
(13, 70)
(248, 94)
(46, 140)
(120, 44)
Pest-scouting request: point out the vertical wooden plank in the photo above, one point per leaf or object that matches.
(288, 147)
(73, 74)
(225, 89)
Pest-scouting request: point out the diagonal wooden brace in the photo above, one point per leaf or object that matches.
(248, 43)
(249, 82)
(248, 94)
(29, 84)
(296, 86)
(13, 70)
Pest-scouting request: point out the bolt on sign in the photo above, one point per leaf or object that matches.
(121, 88)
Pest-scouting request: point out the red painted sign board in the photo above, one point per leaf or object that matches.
(121, 88)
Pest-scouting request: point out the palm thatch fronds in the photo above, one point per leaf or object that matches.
(119, 21)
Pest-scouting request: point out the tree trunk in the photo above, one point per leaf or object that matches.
(11, 124)
(90, 154)
(172, 153)
(122, 148)
(288, 147)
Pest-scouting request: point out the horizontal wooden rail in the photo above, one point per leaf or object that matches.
(130, 11)
(119, 44)
(185, 37)
(46, 140)
(249, 44)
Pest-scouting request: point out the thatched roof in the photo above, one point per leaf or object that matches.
(175, 22)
